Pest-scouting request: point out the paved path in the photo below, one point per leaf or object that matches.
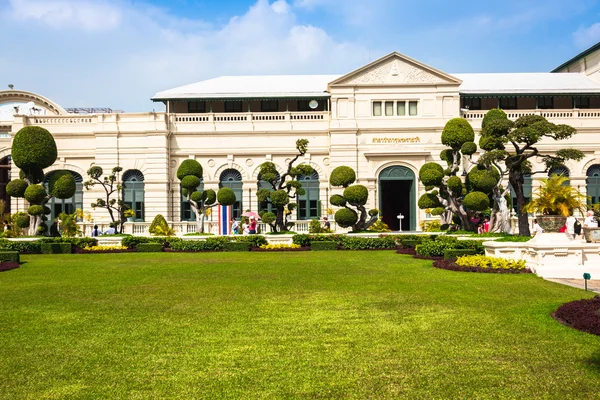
(592, 285)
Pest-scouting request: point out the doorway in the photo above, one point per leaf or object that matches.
(396, 197)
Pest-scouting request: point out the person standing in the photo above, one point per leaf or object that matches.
(537, 229)
(252, 228)
(326, 223)
(235, 227)
(571, 220)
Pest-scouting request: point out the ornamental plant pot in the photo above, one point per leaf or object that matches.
(551, 223)
(592, 235)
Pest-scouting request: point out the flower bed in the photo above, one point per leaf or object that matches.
(484, 264)
(583, 315)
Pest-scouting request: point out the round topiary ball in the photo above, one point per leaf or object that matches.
(468, 148)
(190, 182)
(226, 197)
(62, 185)
(346, 217)
(268, 217)
(210, 197)
(16, 188)
(35, 194)
(42, 228)
(489, 143)
(35, 210)
(33, 146)
(279, 198)
(196, 196)
(337, 200)
(22, 220)
(482, 180)
(189, 167)
(438, 211)
(428, 200)
(356, 194)
(495, 113)
(95, 172)
(457, 132)
(431, 174)
(477, 201)
(455, 184)
(342, 176)
(373, 212)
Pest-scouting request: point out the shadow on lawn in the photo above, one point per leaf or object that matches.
(593, 362)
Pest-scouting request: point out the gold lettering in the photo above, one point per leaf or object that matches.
(386, 140)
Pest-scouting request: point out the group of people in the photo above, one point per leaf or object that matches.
(483, 223)
(572, 227)
(246, 227)
(97, 232)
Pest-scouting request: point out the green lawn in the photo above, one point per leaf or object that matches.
(284, 325)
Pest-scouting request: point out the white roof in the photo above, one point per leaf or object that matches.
(522, 83)
(260, 86)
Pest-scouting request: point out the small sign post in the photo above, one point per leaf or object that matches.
(586, 276)
(400, 217)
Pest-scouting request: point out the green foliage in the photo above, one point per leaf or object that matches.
(342, 176)
(455, 184)
(189, 167)
(356, 194)
(494, 114)
(431, 226)
(62, 185)
(16, 188)
(438, 211)
(468, 148)
(379, 226)
(431, 174)
(305, 240)
(33, 148)
(80, 242)
(68, 224)
(95, 172)
(453, 254)
(56, 248)
(131, 242)
(190, 182)
(149, 247)
(35, 210)
(210, 197)
(158, 221)
(346, 217)
(279, 198)
(489, 262)
(457, 132)
(10, 256)
(477, 201)
(359, 243)
(160, 230)
(22, 247)
(21, 220)
(236, 246)
(337, 200)
(268, 217)
(436, 247)
(555, 198)
(323, 245)
(254, 240)
(428, 200)
(447, 155)
(35, 194)
(226, 196)
(483, 180)
(315, 227)
(373, 212)
(514, 238)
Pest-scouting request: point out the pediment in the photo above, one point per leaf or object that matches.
(396, 69)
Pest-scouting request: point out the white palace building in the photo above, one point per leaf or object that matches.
(384, 120)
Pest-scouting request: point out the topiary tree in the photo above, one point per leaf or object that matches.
(158, 225)
(115, 206)
(446, 191)
(283, 189)
(190, 175)
(353, 200)
(513, 145)
(34, 149)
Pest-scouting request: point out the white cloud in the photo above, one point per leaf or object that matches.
(587, 36)
(124, 64)
(64, 14)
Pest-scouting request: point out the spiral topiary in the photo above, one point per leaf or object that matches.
(225, 197)
(16, 188)
(189, 167)
(35, 194)
(35, 210)
(477, 201)
(457, 132)
(342, 176)
(346, 217)
(455, 184)
(431, 174)
(356, 194)
(33, 148)
(428, 200)
(482, 180)
(337, 200)
(190, 182)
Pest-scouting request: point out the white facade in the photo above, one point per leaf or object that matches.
(224, 125)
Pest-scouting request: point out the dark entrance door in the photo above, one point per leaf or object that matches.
(397, 196)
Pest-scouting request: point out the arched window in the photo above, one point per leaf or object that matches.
(264, 205)
(68, 206)
(560, 170)
(309, 204)
(5, 164)
(133, 192)
(187, 213)
(593, 184)
(527, 188)
(232, 179)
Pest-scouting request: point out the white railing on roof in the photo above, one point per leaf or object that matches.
(550, 114)
(251, 117)
(61, 120)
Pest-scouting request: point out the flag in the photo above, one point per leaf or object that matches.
(225, 216)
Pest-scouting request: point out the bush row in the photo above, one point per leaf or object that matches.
(35, 247)
(437, 247)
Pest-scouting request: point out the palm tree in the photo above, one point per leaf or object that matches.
(556, 198)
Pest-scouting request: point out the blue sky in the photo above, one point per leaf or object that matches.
(119, 53)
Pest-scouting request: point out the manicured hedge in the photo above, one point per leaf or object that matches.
(21, 247)
(11, 256)
(80, 242)
(132, 241)
(236, 246)
(437, 247)
(149, 247)
(56, 248)
(323, 245)
(254, 240)
(305, 240)
(360, 243)
(453, 254)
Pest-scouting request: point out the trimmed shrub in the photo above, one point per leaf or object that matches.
(225, 197)
(35, 193)
(428, 200)
(149, 247)
(80, 242)
(254, 240)
(431, 174)
(159, 220)
(33, 146)
(489, 262)
(477, 201)
(468, 148)
(236, 246)
(457, 132)
(132, 241)
(482, 180)
(491, 115)
(453, 254)
(62, 185)
(305, 240)
(56, 248)
(337, 200)
(356, 194)
(455, 184)
(189, 167)
(346, 217)
(410, 244)
(190, 182)
(35, 210)
(22, 247)
(16, 188)
(11, 256)
(323, 245)
(358, 243)
(342, 176)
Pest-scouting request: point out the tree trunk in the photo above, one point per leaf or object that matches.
(515, 178)
(279, 221)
